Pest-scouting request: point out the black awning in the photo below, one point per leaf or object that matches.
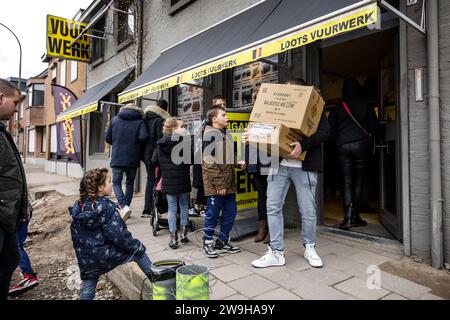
(252, 34)
(88, 102)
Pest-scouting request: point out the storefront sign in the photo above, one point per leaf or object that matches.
(69, 131)
(246, 196)
(60, 35)
(346, 22)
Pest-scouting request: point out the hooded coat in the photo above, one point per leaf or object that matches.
(176, 178)
(343, 128)
(100, 237)
(127, 134)
(217, 169)
(154, 118)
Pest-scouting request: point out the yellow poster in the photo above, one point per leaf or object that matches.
(60, 35)
(246, 195)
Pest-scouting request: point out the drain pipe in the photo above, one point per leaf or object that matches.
(435, 137)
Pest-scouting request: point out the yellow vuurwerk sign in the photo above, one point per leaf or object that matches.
(60, 35)
(352, 20)
(246, 196)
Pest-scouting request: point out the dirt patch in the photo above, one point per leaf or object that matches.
(437, 280)
(49, 246)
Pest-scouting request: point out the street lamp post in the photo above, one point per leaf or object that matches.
(20, 77)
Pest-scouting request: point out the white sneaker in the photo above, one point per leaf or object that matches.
(312, 256)
(125, 213)
(272, 258)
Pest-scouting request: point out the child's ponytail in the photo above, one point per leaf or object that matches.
(90, 183)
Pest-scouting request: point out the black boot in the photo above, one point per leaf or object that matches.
(173, 244)
(356, 221)
(184, 238)
(345, 224)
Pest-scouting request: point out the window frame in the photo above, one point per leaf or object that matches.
(178, 6)
(122, 39)
(73, 76)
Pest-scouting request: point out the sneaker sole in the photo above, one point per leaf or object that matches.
(225, 251)
(126, 216)
(273, 265)
(20, 291)
(318, 267)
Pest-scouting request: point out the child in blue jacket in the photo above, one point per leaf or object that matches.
(100, 236)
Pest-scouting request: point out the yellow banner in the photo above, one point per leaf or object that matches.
(246, 196)
(61, 33)
(78, 112)
(346, 22)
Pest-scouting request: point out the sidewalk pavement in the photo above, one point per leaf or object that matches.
(354, 268)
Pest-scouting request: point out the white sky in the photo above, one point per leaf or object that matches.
(27, 19)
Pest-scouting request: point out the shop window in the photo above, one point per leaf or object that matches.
(96, 133)
(248, 78)
(125, 22)
(190, 104)
(178, 5)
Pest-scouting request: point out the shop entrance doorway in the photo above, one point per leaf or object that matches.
(372, 60)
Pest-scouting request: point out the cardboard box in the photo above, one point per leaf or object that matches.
(274, 137)
(297, 107)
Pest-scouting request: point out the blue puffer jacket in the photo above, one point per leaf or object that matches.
(128, 135)
(100, 237)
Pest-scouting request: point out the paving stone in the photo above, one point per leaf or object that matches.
(252, 285)
(326, 275)
(346, 265)
(369, 258)
(337, 248)
(358, 288)
(237, 297)
(297, 263)
(429, 296)
(277, 294)
(241, 258)
(313, 290)
(404, 287)
(219, 290)
(393, 296)
(212, 263)
(257, 248)
(230, 273)
(288, 279)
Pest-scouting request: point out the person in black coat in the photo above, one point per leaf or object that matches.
(154, 117)
(353, 123)
(175, 175)
(127, 134)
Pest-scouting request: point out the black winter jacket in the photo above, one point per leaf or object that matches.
(154, 118)
(343, 128)
(13, 184)
(176, 178)
(313, 144)
(127, 135)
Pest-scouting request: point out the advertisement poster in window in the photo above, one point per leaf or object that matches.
(248, 78)
(190, 104)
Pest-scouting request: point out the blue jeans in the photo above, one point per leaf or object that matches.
(22, 234)
(89, 285)
(213, 206)
(277, 187)
(172, 201)
(117, 173)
